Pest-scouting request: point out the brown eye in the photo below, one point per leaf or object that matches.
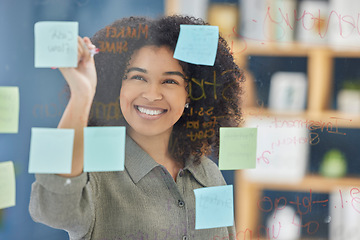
(138, 77)
(170, 81)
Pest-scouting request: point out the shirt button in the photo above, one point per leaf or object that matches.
(181, 203)
(185, 237)
(181, 173)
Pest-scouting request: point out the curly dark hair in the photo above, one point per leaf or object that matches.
(214, 91)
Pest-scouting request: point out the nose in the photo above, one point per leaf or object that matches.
(152, 92)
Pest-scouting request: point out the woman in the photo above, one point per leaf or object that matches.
(172, 110)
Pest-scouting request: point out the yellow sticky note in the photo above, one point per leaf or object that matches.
(9, 109)
(7, 184)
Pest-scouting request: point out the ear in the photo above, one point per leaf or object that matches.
(187, 103)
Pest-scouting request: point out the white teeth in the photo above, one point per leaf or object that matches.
(148, 111)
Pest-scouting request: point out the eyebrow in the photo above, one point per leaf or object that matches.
(175, 73)
(136, 69)
(165, 73)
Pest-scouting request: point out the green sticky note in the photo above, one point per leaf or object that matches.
(237, 148)
(7, 185)
(56, 44)
(51, 150)
(9, 109)
(214, 207)
(104, 149)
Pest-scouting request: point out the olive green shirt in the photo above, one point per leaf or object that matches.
(143, 202)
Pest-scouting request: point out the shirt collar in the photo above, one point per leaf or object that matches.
(137, 162)
(204, 172)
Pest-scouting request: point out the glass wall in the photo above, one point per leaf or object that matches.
(302, 93)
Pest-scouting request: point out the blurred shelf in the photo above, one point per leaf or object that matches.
(263, 238)
(316, 183)
(248, 193)
(338, 119)
(320, 70)
(293, 49)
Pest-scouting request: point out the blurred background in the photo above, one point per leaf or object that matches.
(300, 59)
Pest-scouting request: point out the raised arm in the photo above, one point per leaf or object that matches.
(60, 202)
(82, 82)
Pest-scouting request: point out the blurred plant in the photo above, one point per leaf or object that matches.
(352, 84)
(334, 164)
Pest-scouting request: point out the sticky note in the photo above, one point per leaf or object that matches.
(237, 148)
(9, 109)
(56, 44)
(197, 44)
(214, 207)
(51, 150)
(104, 149)
(7, 184)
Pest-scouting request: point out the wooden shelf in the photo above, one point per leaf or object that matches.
(293, 49)
(314, 182)
(339, 119)
(248, 193)
(299, 239)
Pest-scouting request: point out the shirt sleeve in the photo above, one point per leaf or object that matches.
(63, 203)
(232, 233)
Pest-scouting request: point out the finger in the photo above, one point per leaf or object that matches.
(88, 43)
(80, 48)
(83, 50)
(92, 48)
(84, 44)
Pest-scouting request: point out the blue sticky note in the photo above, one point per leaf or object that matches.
(56, 44)
(214, 207)
(197, 44)
(104, 149)
(51, 150)
(237, 148)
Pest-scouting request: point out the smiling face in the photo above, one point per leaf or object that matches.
(153, 95)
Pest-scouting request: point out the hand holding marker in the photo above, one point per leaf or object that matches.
(93, 51)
